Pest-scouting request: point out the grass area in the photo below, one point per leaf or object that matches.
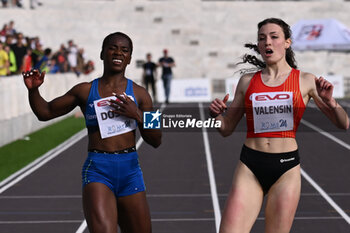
(18, 154)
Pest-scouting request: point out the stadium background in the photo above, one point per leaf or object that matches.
(204, 37)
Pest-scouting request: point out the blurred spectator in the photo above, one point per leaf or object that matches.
(27, 61)
(11, 28)
(4, 3)
(43, 64)
(17, 3)
(9, 39)
(53, 67)
(4, 61)
(35, 3)
(12, 60)
(29, 42)
(37, 52)
(167, 63)
(20, 51)
(25, 53)
(34, 42)
(3, 31)
(89, 67)
(73, 57)
(149, 74)
(80, 60)
(61, 59)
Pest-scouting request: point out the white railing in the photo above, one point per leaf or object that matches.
(16, 118)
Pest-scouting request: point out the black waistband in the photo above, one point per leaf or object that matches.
(124, 151)
(261, 154)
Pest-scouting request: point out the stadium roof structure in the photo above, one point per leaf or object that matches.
(320, 34)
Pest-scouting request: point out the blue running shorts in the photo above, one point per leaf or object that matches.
(120, 172)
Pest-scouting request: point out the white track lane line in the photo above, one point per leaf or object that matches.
(184, 195)
(36, 164)
(324, 133)
(313, 183)
(213, 190)
(166, 220)
(40, 222)
(83, 225)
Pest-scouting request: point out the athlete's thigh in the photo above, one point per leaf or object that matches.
(282, 201)
(243, 203)
(134, 215)
(100, 208)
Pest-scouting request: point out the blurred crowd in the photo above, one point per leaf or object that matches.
(19, 53)
(19, 4)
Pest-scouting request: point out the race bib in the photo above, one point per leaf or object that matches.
(110, 123)
(272, 111)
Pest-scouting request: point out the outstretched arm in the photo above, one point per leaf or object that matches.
(322, 92)
(47, 110)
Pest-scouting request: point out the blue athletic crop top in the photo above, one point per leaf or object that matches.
(90, 114)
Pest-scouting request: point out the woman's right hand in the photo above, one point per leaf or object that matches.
(33, 79)
(218, 106)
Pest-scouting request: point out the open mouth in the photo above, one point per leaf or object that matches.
(117, 61)
(269, 51)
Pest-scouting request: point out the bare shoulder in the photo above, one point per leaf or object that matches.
(139, 90)
(241, 89)
(307, 77)
(82, 87)
(244, 82)
(307, 82)
(81, 90)
(247, 77)
(142, 96)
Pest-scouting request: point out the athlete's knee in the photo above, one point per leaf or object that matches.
(280, 213)
(233, 227)
(278, 225)
(98, 221)
(97, 225)
(233, 219)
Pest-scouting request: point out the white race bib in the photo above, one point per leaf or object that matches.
(110, 123)
(272, 111)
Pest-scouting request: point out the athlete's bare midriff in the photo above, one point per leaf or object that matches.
(272, 145)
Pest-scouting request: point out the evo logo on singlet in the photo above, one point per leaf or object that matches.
(110, 123)
(272, 111)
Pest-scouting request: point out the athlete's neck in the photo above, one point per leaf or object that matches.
(113, 81)
(276, 71)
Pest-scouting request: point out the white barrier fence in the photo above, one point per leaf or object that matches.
(186, 90)
(17, 119)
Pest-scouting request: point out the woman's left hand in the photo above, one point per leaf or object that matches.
(125, 106)
(324, 89)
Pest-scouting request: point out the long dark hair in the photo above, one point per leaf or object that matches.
(290, 57)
